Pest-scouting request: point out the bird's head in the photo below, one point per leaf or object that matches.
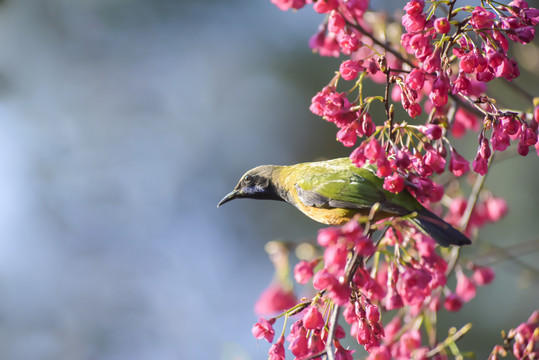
(256, 183)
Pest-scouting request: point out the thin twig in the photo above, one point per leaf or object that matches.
(449, 340)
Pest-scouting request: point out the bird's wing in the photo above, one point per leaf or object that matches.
(359, 189)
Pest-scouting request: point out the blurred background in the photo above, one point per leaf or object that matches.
(123, 123)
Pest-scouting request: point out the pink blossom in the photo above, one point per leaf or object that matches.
(348, 42)
(499, 139)
(442, 26)
(481, 18)
(274, 299)
(394, 183)
(263, 329)
(464, 120)
(435, 161)
(528, 136)
(325, 6)
(335, 258)
(414, 285)
(341, 353)
(509, 125)
(328, 236)
(452, 303)
(465, 289)
(358, 157)
(303, 271)
(347, 135)
(458, 165)
(432, 131)
(414, 110)
(350, 68)
(409, 341)
(496, 208)
(276, 351)
(336, 22)
(313, 319)
(379, 353)
(415, 79)
(324, 44)
(480, 165)
(433, 61)
(298, 342)
(483, 275)
(372, 313)
(323, 279)
(413, 23)
(462, 85)
(285, 5)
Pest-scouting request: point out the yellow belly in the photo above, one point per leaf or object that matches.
(329, 216)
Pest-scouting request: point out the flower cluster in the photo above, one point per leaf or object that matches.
(438, 69)
(413, 275)
(522, 342)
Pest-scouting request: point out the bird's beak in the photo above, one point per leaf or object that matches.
(234, 194)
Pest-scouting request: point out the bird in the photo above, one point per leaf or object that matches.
(333, 191)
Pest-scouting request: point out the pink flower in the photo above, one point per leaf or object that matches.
(374, 151)
(348, 42)
(458, 165)
(536, 114)
(496, 208)
(336, 22)
(276, 351)
(435, 161)
(509, 125)
(263, 329)
(328, 236)
(285, 5)
(499, 139)
(480, 165)
(324, 44)
(432, 131)
(325, 6)
(358, 156)
(350, 68)
(414, 7)
(274, 299)
(298, 342)
(442, 26)
(341, 353)
(347, 135)
(483, 275)
(464, 120)
(414, 110)
(433, 61)
(335, 258)
(313, 319)
(379, 353)
(372, 313)
(465, 289)
(481, 18)
(414, 285)
(452, 303)
(415, 79)
(527, 136)
(394, 183)
(413, 23)
(462, 85)
(303, 271)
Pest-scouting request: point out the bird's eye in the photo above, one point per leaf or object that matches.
(247, 179)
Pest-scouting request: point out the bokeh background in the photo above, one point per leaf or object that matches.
(123, 123)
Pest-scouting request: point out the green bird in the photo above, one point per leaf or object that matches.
(333, 191)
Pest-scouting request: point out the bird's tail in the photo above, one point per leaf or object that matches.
(443, 233)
